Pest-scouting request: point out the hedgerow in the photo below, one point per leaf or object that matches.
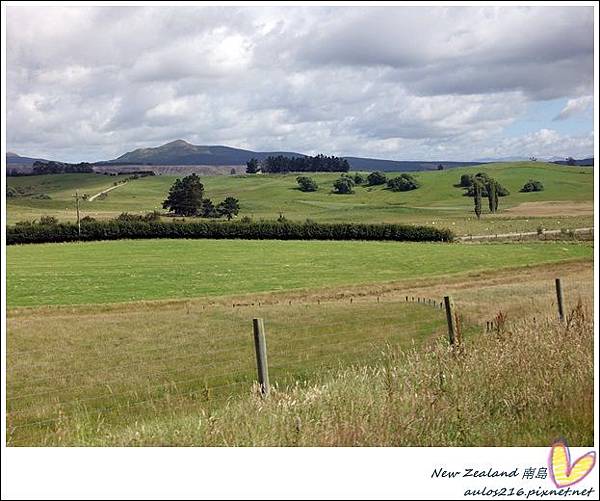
(257, 230)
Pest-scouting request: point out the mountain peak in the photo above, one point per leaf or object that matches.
(178, 142)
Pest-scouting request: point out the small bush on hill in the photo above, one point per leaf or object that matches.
(48, 220)
(343, 186)
(376, 178)
(306, 183)
(404, 182)
(532, 185)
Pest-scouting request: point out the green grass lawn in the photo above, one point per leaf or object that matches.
(437, 202)
(130, 270)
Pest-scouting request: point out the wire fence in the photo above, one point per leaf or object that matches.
(47, 388)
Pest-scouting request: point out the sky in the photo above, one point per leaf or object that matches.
(402, 83)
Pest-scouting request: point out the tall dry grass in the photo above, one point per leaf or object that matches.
(526, 384)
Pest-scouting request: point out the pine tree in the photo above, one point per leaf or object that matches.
(492, 193)
(185, 196)
(252, 166)
(477, 198)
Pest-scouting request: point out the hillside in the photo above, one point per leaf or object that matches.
(183, 153)
(567, 200)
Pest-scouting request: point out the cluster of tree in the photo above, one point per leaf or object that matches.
(532, 185)
(491, 188)
(186, 198)
(249, 230)
(307, 183)
(469, 181)
(133, 174)
(404, 182)
(281, 164)
(40, 168)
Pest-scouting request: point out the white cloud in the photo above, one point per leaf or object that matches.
(441, 83)
(575, 107)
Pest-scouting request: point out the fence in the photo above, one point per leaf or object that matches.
(201, 356)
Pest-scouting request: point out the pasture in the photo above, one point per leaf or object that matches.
(133, 270)
(182, 372)
(437, 202)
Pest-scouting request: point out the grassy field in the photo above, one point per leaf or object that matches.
(437, 202)
(373, 371)
(118, 271)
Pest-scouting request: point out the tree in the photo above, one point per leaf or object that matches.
(229, 207)
(440, 167)
(477, 188)
(466, 181)
(185, 196)
(306, 183)
(252, 166)
(492, 193)
(532, 185)
(571, 161)
(232, 172)
(343, 185)
(208, 209)
(376, 178)
(404, 182)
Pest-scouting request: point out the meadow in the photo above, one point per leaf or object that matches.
(149, 342)
(566, 202)
(351, 366)
(120, 271)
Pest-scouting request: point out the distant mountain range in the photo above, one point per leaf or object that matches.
(182, 153)
(14, 159)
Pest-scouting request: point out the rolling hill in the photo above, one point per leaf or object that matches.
(181, 152)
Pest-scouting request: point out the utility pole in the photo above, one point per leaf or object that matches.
(78, 219)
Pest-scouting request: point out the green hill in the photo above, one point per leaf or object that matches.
(567, 200)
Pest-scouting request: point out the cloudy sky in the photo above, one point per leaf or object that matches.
(428, 83)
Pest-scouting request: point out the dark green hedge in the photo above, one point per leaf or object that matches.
(261, 230)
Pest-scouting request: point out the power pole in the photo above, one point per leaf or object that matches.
(78, 219)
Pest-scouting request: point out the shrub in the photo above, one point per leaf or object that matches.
(532, 185)
(282, 229)
(48, 220)
(404, 182)
(358, 179)
(306, 183)
(376, 178)
(41, 196)
(11, 192)
(343, 186)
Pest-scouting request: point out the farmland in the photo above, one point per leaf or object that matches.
(165, 269)
(181, 372)
(148, 342)
(566, 202)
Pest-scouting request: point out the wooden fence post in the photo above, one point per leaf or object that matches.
(450, 319)
(559, 299)
(261, 355)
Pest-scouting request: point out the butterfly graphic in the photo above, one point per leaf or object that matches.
(563, 471)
